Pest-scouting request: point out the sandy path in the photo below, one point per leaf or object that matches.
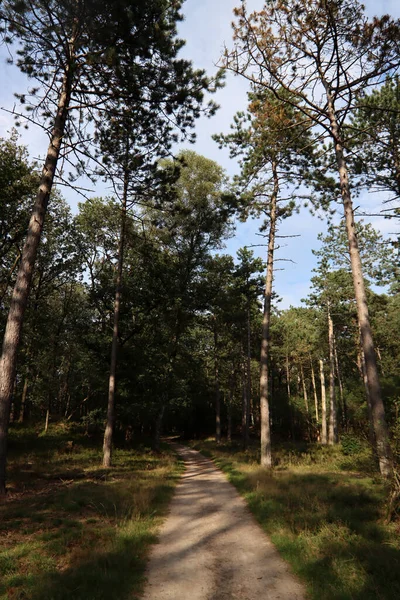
(211, 548)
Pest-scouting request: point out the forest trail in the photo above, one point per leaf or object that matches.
(210, 546)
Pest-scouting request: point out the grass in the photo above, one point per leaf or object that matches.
(324, 511)
(71, 529)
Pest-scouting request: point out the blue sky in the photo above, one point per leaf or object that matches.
(206, 28)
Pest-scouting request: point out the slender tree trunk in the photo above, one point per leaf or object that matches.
(378, 411)
(314, 391)
(363, 373)
(305, 395)
(46, 423)
(109, 431)
(67, 405)
(287, 376)
(230, 403)
(378, 352)
(333, 434)
(324, 437)
(23, 400)
(266, 453)
(217, 389)
(248, 369)
(341, 391)
(20, 294)
(245, 408)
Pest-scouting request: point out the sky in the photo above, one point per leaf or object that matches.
(206, 29)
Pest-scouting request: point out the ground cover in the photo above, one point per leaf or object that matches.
(71, 529)
(324, 509)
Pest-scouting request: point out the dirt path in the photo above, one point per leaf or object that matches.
(210, 546)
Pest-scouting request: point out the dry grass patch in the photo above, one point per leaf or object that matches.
(71, 529)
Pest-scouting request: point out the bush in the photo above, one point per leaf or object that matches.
(351, 445)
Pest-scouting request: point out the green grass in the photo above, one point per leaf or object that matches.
(324, 511)
(70, 529)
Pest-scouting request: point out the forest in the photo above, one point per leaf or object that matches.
(126, 324)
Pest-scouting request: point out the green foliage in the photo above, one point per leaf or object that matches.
(375, 137)
(351, 445)
(18, 183)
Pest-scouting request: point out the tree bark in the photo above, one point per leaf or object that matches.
(287, 376)
(230, 403)
(20, 294)
(248, 372)
(305, 395)
(333, 432)
(245, 409)
(23, 400)
(314, 391)
(266, 453)
(216, 389)
(363, 373)
(46, 423)
(109, 431)
(324, 438)
(378, 411)
(341, 391)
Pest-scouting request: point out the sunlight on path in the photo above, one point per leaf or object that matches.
(211, 548)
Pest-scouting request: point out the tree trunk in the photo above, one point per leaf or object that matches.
(23, 400)
(248, 372)
(341, 392)
(46, 423)
(108, 434)
(245, 409)
(305, 395)
(371, 433)
(324, 439)
(378, 352)
(13, 397)
(230, 403)
(20, 294)
(314, 391)
(287, 376)
(378, 411)
(333, 432)
(217, 390)
(266, 453)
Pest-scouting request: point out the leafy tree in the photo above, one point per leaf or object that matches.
(375, 133)
(87, 57)
(324, 53)
(273, 141)
(18, 182)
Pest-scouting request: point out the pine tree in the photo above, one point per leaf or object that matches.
(80, 52)
(273, 142)
(324, 53)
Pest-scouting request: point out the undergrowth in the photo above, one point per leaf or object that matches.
(71, 529)
(324, 509)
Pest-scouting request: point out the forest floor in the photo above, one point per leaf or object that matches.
(211, 548)
(70, 529)
(324, 509)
